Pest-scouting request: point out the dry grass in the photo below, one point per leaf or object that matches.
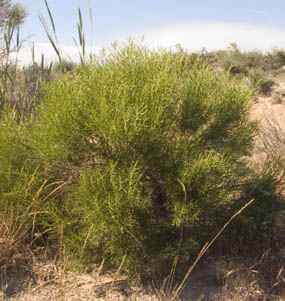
(167, 291)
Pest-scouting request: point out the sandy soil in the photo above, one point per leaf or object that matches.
(47, 283)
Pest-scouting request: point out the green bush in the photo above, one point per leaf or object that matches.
(22, 186)
(232, 61)
(254, 223)
(16, 161)
(276, 58)
(260, 81)
(238, 62)
(149, 142)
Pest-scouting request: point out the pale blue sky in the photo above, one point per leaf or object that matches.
(194, 24)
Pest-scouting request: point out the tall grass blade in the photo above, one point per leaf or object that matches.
(90, 12)
(50, 16)
(91, 22)
(42, 63)
(80, 54)
(50, 68)
(80, 18)
(33, 53)
(81, 35)
(52, 41)
(18, 38)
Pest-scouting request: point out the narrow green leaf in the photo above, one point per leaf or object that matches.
(80, 35)
(80, 18)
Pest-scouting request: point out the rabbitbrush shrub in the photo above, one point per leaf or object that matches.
(149, 142)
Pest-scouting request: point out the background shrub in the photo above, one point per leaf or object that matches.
(259, 80)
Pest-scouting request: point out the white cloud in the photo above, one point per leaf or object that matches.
(217, 35)
(68, 52)
(192, 36)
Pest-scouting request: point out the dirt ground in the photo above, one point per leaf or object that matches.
(48, 282)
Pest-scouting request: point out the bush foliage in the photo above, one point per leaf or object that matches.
(138, 156)
(148, 143)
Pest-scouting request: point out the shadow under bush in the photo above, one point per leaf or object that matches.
(253, 242)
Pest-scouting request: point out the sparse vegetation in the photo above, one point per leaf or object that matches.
(259, 80)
